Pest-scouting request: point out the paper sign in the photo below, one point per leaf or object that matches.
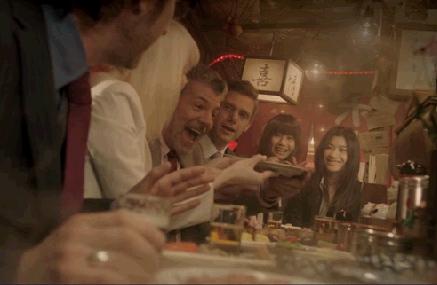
(379, 119)
(293, 82)
(264, 74)
(375, 141)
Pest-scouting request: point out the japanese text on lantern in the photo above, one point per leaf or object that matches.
(263, 80)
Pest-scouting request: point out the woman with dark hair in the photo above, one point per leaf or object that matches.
(333, 190)
(280, 143)
(279, 140)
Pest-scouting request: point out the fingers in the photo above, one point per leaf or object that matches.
(188, 186)
(178, 181)
(180, 208)
(121, 219)
(222, 163)
(268, 174)
(254, 160)
(65, 256)
(191, 192)
(74, 265)
(164, 187)
(121, 240)
(145, 186)
(273, 159)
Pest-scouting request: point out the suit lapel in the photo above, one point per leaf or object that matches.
(38, 95)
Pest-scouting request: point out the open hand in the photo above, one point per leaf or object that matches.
(242, 172)
(178, 185)
(129, 244)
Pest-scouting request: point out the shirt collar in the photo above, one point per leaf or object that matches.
(66, 49)
(208, 147)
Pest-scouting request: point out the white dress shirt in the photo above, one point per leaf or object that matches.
(118, 154)
(209, 150)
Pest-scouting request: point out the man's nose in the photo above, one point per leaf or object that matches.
(206, 120)
(335, 153)
(232, 117)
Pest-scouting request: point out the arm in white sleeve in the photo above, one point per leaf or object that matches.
(117, 144)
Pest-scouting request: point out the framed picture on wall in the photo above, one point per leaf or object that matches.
(415, 68)
(277, 80)
(293, 83)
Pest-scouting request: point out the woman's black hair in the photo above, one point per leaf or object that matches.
(280, 124)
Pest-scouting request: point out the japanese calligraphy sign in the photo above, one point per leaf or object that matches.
(266, 75)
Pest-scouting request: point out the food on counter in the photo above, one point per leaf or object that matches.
(258, 237)
(182, 246)
(259, 252)
(204, 275)
(245, 236)
(233, 279)
(262, 238)
(276, 234)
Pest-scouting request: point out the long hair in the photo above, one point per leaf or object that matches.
(344, 195)
(280, 124)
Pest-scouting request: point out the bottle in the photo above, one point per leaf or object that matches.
(275, 218)
(411, 209)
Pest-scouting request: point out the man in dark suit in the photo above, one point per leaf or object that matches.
(236, 114)
(44, 117)
(234, 117)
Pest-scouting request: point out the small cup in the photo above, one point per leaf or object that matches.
(156, 209)
(275, 219)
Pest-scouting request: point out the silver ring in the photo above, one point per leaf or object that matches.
(100, 256)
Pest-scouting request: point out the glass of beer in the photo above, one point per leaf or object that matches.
(157, 210)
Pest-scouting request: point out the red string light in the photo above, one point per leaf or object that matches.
(226, 57)
(350, 72)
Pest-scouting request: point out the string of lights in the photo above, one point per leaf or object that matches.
(226, 57)
(230, 56)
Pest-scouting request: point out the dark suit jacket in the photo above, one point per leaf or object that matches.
(304, 207)
(31, 140)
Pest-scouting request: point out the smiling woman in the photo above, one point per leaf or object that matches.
(280, 139)
(334, 186)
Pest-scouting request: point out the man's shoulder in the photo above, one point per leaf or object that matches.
(117, 100)
(113, 87)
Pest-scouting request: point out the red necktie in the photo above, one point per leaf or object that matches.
(78, 122)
